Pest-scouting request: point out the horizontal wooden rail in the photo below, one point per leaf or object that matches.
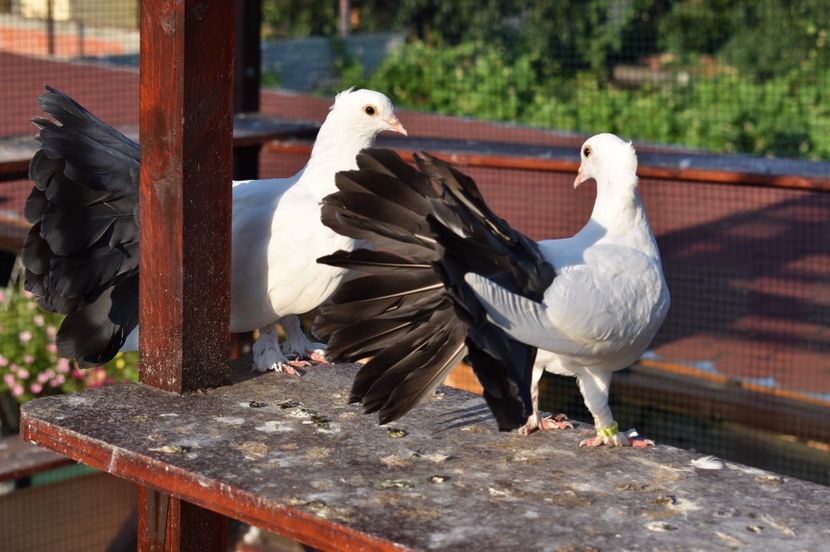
(19, 459)
(249, 130)
(658, 165)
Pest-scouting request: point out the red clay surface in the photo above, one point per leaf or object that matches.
(749, 268)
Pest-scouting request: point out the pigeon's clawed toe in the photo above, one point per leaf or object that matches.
(560, 421)
(317, 356)
(534, 422)
(297, 361)
(298, 346)
(269, 358)
(612, 437)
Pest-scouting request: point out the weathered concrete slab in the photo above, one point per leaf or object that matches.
(288, 454)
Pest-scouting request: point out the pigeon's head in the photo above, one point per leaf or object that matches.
(365, 112)
(609, 155)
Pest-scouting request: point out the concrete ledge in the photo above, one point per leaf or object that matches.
(288, 454)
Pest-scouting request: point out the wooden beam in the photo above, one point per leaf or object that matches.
(727, 170)
(168, 523)
(186, 128)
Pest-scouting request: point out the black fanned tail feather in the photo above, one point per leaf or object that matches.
(411, 310)
(81, 254)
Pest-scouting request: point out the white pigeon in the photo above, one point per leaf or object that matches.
(452, 279)
(83, 208)
(608, 299)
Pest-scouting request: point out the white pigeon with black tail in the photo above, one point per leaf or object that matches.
(81, 255)
(451, 278)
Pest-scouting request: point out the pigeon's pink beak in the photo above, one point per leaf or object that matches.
(396, 126)
(580, 178)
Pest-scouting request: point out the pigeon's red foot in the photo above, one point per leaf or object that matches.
(288, 368)
(560, 421)
(617, 439)
(296, 361)
(641, 443)
(317, 356)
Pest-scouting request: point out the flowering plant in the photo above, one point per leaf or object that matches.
(29, 362)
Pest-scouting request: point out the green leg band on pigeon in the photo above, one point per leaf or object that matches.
(609, 431)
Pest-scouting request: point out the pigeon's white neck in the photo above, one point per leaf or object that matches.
(619, 215)
(335, 150)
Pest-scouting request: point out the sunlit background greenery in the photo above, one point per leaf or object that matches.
(730, 76)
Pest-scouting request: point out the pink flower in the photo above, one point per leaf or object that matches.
(28, 359)
(42, 377)
(96, 377)
(59, 379)
(77, 374)
(51, 331)
(2, 295)
(63, 366)
(23, 373)
(9, 379)
(25, 336)
(52, 348)
(4, 361)
(38, 320)
(36, 388)
(16, 390)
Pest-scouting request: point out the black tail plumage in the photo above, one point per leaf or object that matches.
(81, 254)
(411, 311)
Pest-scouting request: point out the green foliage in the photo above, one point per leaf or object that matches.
(763, 39)
(786, 116)
(291, 19)
(29, 362)
(733, 75)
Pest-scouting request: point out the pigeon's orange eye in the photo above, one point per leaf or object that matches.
(586, 152)
(369, 110)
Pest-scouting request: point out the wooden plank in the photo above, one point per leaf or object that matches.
(680, 166)
(290, 455)
(186, 129)
(250, 130)
(19, 459)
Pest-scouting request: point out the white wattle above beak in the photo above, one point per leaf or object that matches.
(396, 126)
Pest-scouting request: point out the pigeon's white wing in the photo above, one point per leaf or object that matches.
(521, 318)
(588, 309)
(608, 300)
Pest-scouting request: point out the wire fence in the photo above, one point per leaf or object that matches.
(748, 266)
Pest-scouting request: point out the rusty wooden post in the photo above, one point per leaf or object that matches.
(50, 27)
(186, 131)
